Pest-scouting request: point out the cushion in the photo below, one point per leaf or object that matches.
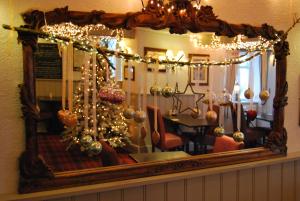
(172, 141)
(226, 143)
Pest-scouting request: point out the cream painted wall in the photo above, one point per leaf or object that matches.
(275, 12)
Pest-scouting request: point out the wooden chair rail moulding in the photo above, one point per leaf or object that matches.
(35, 175)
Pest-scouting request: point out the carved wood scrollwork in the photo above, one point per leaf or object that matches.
(281, 100)
(29, 110)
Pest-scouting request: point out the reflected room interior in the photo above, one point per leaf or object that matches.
(152, 111)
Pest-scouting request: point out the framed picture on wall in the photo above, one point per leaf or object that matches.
(132, 73)
(199, 75)
(155, 53)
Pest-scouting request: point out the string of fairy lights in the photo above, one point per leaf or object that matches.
(82, 39)
(81, 35)
(238, 43)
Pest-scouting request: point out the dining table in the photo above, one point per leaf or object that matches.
(200, 127)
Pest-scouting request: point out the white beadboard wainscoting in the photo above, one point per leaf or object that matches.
(268, 180)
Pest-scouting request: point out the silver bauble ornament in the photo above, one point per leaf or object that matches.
(219, 131)
(155, 90)
(139, 116)
(264, 95)
(129, 113)
(248, 93)
(86, 140)
(95, 148)
(205, 100)
(238, 136)
(211, 116)
(167, 91)
(225, 98)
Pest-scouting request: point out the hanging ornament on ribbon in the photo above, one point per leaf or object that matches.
(167, 91)
(86, 137)
(94, 94)
(225, 98)
(249, 94)
(155, 136)
(238, 136)
(264, 94)
(219, 131)
(140, 115)
(211, 115)
(66, 116)
(129, 111)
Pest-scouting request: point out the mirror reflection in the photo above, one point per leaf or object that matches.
(93, 115)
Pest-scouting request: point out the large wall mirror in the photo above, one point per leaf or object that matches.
(210, 94)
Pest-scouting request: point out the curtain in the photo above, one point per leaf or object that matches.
(231, 73)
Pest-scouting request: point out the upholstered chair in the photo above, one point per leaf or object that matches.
(168, 140)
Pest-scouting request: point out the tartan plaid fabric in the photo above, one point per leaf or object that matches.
(53, 150)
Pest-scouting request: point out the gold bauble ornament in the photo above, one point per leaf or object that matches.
(155, 90)
(167, 91)
(264, 95)
(195, 113)
(155, 137)
(248, 93)
(238, 136)
(219, 131)
(129, 113)
(139, 116)
(211, 116)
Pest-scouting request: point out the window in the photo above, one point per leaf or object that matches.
(248, 75)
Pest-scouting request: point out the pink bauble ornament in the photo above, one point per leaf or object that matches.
(251, 115)
(112, 94)
(118, 96)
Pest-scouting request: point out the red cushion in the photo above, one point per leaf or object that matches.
(172, 141)
(125, 158)
(108, 155)
(226, 143)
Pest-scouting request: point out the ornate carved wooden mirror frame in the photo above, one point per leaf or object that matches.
(34, 173)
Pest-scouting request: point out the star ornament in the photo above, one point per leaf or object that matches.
(177, 102)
